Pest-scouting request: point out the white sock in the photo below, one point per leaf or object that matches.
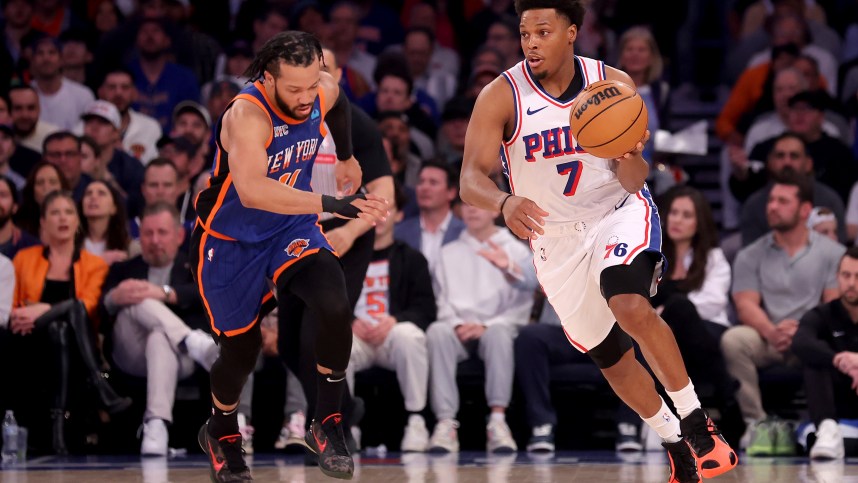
(685, 400)
(494, 416)
(665, 423)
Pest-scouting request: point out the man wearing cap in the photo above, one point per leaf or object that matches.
(191, 120)
(7, 149)
(62, 100)
(139, 132)
(102, 123)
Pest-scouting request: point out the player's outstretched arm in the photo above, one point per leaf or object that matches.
(245, 132)
(492, 113)
(632, 169)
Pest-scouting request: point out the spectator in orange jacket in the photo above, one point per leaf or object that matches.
(56, 296)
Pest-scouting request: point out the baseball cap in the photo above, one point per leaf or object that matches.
(815, 99)
(195, 107)
(457, 108)
(180, 144)
(104, 110)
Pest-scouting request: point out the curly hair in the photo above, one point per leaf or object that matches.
(572, 10)
(292, 47)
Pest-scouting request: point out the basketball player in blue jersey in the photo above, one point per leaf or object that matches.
(592, 225)
(258, 236)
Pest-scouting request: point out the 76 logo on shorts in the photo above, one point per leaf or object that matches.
(614, 246)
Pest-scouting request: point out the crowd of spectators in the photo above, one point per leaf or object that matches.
(108, 117)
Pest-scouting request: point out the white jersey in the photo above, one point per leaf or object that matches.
(544, 162)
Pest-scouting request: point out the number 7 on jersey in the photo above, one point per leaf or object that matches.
(573, 169)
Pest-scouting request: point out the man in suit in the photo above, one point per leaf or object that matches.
(158, 320)
(437, 225)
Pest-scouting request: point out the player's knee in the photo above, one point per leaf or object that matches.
(241, 351)
(612, 348)
(633, 312)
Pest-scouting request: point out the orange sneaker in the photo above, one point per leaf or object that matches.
(714, 456)
(683, 466)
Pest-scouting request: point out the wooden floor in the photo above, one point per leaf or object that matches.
(418, 468)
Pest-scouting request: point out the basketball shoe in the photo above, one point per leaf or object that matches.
(327, 440)
(225, 457)
(683, 466)
(714, 456)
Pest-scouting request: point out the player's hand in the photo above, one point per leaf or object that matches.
(349, 176)
(524, 217)
(638, 149)
(370, 208)
(846, 362)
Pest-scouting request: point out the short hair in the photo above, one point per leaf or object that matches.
(804, 183)
(117, 70)
(393, 64)
(159, 207)
(443, 166)
(59, 136)
(788, 135)
(851, 252)
(160, 162)
(12, 188)
(420, 30)
(571, 10)
(292, 47)
(20, 87)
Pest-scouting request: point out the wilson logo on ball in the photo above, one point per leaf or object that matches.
(596, 99)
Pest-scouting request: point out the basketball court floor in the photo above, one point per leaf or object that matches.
(420, 468)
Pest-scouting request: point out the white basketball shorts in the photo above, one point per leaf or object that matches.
(569, 260)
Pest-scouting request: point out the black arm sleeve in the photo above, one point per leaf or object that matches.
(808, 343)
(339, 120)
(368, 147)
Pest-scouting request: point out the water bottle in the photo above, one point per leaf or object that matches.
(10, 438)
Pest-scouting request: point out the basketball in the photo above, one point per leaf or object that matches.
(608, 119)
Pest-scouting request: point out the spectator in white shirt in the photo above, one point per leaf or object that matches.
(25, 111)
(7, 289)
(483, 299)
(62, 99)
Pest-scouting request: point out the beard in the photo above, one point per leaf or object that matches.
(151, 55)
(5, 217)
(785, 224)
(288, 110)
(850, 298)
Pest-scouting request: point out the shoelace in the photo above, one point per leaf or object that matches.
(233, 452)
(701, 440)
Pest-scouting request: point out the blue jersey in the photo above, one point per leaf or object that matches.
(292, 146)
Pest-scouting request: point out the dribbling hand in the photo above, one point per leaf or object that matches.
(524, 217)
(639, 147)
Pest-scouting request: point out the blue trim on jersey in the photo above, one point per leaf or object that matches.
(654, 221)
(504, 163)
(604, 74)
(542, 89)
(514, 106)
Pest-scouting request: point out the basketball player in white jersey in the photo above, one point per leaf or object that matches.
(593, 228)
